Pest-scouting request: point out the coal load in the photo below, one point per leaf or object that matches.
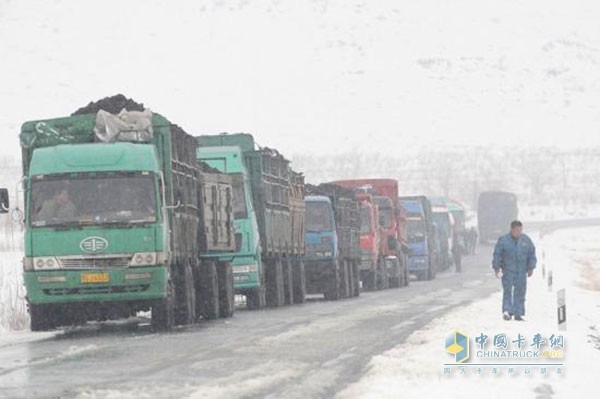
(113, 104)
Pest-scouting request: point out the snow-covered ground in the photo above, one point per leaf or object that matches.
(13, 310)
(416, 367)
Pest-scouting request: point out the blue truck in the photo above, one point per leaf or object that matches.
(332, 254)
(423, 256)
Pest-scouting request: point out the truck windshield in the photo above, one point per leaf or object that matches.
(441, 220)
(415, 230)
(365, 219)
(385, 212)
(239, 197)
(85, 199)
(318, 216)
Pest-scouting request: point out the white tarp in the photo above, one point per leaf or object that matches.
(125, 126)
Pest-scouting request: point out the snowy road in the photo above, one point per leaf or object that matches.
(313, 350)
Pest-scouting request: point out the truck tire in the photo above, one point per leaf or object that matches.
(41, 317)
(351, 277)
(288, 281)
(163, 311)
(226, 290)
(369, 279)
(406, 279)
(356, 274)
(185, 304)
(207, 291)
(299, 275)
(397, 279)
(256, 297)
(332, 293)
(274, 283)
(431, 272)
(345, 279)
(381, 282)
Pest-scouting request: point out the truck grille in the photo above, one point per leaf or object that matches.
(77, 262)
(120, 289)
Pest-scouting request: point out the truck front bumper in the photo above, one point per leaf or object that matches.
(319, 275)
(417, 263)
(102, 285)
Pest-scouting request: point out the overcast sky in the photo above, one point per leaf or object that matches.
(315, 76)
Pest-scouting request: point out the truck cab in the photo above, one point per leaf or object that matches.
(369, 240)
(445, 227)
(422, 239)
(95, 228)
(321, 237)
(247, 257)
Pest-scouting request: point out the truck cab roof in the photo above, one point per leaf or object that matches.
(73, 158)
(227, 159)
(317, 198)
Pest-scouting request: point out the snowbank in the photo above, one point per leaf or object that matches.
(13, 309)
(415, 368)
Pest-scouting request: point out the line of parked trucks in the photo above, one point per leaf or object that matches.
(126, 212)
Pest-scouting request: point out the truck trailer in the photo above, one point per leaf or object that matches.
(495, 211)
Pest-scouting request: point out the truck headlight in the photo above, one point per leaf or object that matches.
(147, 259)
(44, 263)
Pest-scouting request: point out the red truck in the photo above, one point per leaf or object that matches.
(390, 268)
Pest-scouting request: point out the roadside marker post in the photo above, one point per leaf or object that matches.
(561, 310)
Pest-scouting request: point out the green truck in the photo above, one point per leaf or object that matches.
(120, 218)
(268, 263)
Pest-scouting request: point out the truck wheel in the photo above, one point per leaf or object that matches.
(356, 274)
(288, 281)
(185, 307)
(397, 279)
(256, 297)
(41, 318)
(431, 272)
(207, 292)
(351, 277)
(369, 279)
(381, 282)
(332, 293)
(345, 280)
(406, 273)
(299, 281)
(274, 277)
(163, 311)
(226, 290)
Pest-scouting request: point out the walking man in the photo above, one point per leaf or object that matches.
(514, 255)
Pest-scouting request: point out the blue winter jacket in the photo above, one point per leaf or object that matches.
(512, 255)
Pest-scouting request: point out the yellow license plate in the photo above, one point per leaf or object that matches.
(91, 278)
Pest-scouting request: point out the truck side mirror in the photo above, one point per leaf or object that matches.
(4, 203)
